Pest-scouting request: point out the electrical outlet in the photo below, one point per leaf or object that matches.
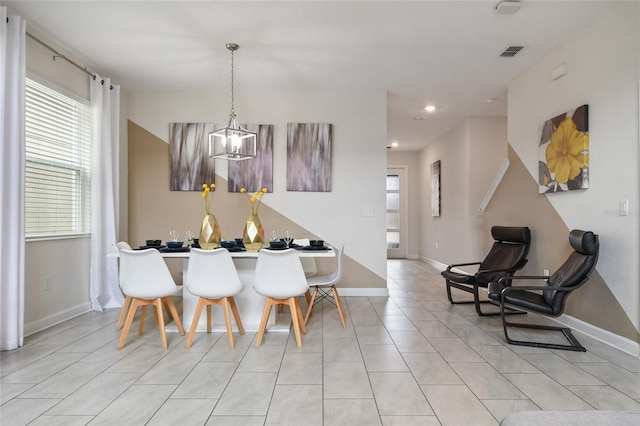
(436, 245)
(623, 207)
(46, 283)
(545, 272)
(367, 212)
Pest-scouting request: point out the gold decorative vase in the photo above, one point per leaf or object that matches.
(209, 233)
(253, 234)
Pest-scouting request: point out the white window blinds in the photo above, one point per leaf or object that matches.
(58, 164)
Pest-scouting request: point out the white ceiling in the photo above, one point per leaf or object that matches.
(441, 52)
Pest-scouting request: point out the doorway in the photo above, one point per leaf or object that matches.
(396, 212)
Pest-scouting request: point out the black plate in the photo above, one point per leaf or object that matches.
(275, 249)
(148, 247)
(236, 249)
(175, 250)
(315, 248)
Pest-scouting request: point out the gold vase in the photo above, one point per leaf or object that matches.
(253, 234)
(209, 233)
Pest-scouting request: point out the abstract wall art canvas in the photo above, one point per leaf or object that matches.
(189, 162)
(563, 152)
(309, 149)
(255, 173)
(435, 188)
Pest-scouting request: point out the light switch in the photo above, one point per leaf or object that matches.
(623, 207)
(367, 212)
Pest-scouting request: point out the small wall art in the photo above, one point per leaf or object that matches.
(435, 188)
(255, 173)
(189, 162)
(563, 152)
(309, 149)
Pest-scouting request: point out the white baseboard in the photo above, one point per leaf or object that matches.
(369, 292)
(604, 336)
(413, 257)
(434, 263)
(46, 322)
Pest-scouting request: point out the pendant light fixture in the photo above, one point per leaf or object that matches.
(233, 142)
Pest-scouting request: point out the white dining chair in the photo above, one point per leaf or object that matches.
(145, 277)
(127, 299)
(122, 245)
(280, 278)
(213, 278)
(325, 285)
(308, 263)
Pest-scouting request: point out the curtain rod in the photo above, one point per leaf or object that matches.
(60, 55)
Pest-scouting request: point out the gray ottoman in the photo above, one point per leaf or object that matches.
(572, 418)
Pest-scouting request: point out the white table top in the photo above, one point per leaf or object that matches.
(244, 254)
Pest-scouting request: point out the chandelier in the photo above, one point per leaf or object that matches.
(233, 142)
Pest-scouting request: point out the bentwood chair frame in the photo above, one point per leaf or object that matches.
(549, 299)
(507, 255)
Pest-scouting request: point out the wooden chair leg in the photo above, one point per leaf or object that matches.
(194, 322)
(295, 320)
(310, 304)
(227, 320)
(168, 301)
(128, 322)
(123, 312)
(263, 322)
(307, 296)
(143, 316)
(339, 305)
(163, 334)
(236, 314)
(303, 326)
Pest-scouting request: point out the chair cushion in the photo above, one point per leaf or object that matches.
(506, 257)
(457, 277)
(576, 269)
(514, 234)
(585, 242)
(508, 254)
(528, 300)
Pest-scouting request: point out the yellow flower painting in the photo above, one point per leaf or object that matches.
(564, 152)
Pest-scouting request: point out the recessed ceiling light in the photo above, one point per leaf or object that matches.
(430, 108)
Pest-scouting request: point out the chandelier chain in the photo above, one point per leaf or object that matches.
(233, 110)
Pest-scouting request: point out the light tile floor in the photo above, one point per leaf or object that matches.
(410, 359)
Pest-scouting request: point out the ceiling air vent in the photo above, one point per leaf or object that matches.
(511, 51)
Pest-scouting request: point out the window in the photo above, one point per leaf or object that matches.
(58, 163)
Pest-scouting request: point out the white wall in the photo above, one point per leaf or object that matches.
(359, 155)
(471, 155)
(603, 64)
(65, 262)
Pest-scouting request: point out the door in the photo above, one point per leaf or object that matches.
(396, 212)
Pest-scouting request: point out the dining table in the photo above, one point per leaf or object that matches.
(250, 304)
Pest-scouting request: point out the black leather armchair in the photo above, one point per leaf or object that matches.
(551, 297)
(507, 255)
